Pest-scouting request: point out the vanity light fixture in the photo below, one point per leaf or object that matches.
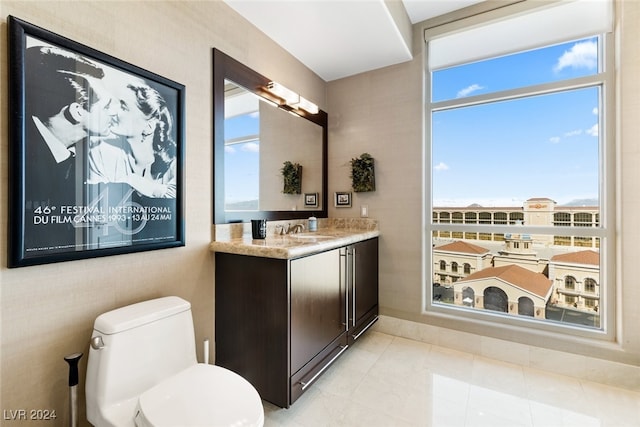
(289, 96)
(307, 106)
(292, 99)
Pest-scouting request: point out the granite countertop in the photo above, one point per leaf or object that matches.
(331, 234)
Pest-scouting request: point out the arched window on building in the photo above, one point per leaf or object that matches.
(445, 217)
(569, 282)
(467, 268)
(515, 217)
(470, 218)
(583, 219)
(443, 265)
(590, 286)
(500, 218)
(468, 296)
(457, 218)
(485, 217)
(495, 299)
(562, 219)
(454, 267)
(525, 306)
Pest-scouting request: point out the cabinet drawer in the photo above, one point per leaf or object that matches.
(310, 372)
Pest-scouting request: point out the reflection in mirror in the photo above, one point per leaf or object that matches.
(253, 139)
(259, 138)
(241, 149)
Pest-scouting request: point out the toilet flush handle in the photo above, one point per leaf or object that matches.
(97, 343)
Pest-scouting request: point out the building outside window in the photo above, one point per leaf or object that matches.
(540, 107)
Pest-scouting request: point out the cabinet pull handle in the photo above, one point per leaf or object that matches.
(355, 337)
(344, 281)
(353, 287)
(315, 377)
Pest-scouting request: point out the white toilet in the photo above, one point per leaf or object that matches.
(142, 371)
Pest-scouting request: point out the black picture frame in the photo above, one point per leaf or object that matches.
(98, 175)
(342, 199)
(310, 200)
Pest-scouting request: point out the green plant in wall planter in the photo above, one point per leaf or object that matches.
(292, 174)
(362, 173)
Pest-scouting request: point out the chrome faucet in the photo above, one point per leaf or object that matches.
(295, 229)
(289, 229)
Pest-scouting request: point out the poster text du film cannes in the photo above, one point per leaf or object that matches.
(69, 214)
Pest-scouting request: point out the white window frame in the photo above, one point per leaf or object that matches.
(497, 324)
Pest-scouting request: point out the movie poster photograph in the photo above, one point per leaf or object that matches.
(96, 147)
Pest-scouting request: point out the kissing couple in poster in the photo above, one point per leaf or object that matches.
(97, 140)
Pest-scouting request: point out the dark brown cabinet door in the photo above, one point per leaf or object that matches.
(317, 306)
(363, 298)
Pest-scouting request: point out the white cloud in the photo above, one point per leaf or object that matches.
(554, 139)
(229, 149)
(581, 55)
(595, 111)
(251, 146)
(441, 167)
(593, 130)
(469, 90)
(573, 133)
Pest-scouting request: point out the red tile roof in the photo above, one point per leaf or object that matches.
(583, 257)
(463, 247)
(536, 283)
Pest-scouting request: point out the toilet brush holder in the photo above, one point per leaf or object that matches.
(73, 360)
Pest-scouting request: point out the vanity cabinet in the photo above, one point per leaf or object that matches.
(361, 269)
(280, 323)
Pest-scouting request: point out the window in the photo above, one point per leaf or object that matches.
(470, 218)
(454, 267)
(516, 217)
(570, 282)
(467, 269)
(500, 218)
(562, 219)
(583, 220)
(518, 135)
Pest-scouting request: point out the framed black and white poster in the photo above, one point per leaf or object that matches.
(96, 152)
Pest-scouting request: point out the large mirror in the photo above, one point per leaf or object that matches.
(253, 139)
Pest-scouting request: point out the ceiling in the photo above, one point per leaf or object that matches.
(340, 38)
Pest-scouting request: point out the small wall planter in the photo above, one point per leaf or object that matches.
(363, 173)
(292, 174)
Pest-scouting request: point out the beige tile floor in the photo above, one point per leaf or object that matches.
(391, 381)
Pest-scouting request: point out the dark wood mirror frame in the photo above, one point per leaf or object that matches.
(225, 67)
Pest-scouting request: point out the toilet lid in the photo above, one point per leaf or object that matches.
(202, 395)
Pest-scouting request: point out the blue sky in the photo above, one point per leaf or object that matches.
(503, 153)
(242, 161)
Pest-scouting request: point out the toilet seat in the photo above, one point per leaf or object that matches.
(201, 395)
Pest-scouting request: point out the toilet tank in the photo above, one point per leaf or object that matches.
(143, 344)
